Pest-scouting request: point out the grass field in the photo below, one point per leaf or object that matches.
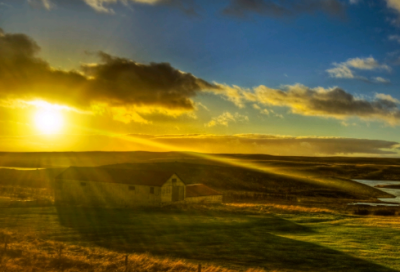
(229, 236)
(279, 236)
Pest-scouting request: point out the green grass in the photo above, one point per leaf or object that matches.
(373, 238)
(289, 242)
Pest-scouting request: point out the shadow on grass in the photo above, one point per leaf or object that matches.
(224, 239)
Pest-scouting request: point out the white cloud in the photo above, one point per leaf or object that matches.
(269, 112)
(367, 64)
(341, 71)
(394, 4)
(381, 80)
(387, 97)
(101, 5)
(231, 93)
(47, 4)
(345, 69)
(395, 38)
(98, 5)
(226, 118)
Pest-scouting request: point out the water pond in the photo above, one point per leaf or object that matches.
(373, 183)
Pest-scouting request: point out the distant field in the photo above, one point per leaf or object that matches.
(66, 159)
(231, 238)
(275, 176)
(237, 183)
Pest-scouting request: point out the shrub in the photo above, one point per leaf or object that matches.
(361, 212)
(385, 212)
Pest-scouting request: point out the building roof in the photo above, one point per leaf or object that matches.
(196, 190)
(113, 175)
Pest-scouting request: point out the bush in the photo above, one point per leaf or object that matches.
(361, 212)
(385, 212)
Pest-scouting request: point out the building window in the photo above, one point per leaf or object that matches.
(131, 188)
(173, 180)
(83, 183)
(151, 190)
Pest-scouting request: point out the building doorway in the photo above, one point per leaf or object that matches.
(177, 193)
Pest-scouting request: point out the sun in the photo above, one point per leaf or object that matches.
(48, 121)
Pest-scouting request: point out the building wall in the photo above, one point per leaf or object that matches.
(205, 199)
(102, 194)
(166, 189)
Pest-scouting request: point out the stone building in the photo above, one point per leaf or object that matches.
(111, 187)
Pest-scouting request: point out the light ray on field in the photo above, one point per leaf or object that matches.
(348, 186)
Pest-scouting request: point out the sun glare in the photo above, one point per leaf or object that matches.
(48, 121)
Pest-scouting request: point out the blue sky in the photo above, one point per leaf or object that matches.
(319, 45)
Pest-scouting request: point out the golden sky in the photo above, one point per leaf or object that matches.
(101, 75)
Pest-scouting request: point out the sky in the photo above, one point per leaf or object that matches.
(279, 77)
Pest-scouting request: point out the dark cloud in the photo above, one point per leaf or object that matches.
(335, 102)
(275, 145)
(114, 81)
(331, 103)
(25, 76)
(283, 8)
(122, 81)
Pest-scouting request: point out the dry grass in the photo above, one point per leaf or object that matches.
(251, 208)
(28, 253)
(273, 208)
(76, 239)
(26, 193)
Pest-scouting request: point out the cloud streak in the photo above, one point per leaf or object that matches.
(394, 38)
(226, 118)
(237, 8)
(105, 6)
(276, 144)
(381, 80)
(210, 143)
(282, 8)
